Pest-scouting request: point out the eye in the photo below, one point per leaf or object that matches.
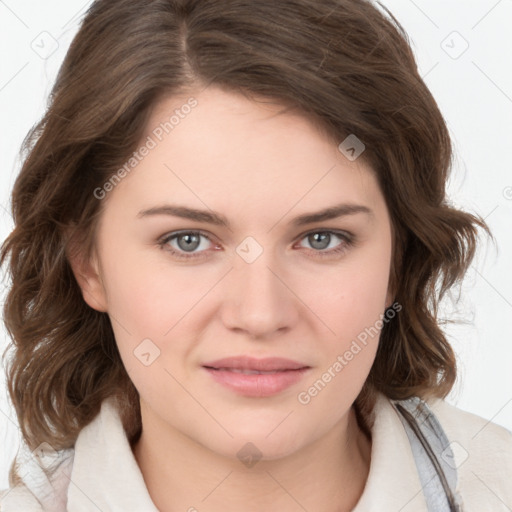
(188, 244)
(321, 240)
(182, 244)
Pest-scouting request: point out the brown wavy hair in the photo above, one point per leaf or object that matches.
(345, 64)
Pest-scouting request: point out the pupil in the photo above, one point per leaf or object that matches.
(190, 240)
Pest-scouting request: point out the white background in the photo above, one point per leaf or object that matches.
(474, 92)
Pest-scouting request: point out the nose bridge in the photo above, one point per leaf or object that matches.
(257, 299)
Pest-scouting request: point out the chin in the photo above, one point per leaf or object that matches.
(259, 444)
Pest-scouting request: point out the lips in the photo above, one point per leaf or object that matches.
(248, 365)
(251, 377)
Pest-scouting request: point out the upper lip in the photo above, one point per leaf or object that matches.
(251, 363)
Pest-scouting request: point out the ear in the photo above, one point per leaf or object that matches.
(88, 276)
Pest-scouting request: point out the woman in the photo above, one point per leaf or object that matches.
(231, 237)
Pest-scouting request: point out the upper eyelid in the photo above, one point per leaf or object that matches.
(175, 234)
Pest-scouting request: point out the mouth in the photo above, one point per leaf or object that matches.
(256, 377)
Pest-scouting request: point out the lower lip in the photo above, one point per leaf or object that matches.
(257, 385)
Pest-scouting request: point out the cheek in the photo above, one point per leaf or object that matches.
(352, 307)
(142, 307)
(148, 297)
(354, 295)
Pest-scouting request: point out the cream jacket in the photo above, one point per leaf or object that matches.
(101, 473)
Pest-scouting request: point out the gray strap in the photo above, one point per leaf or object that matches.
(432, 454)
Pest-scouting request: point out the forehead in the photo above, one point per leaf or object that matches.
(221, 148)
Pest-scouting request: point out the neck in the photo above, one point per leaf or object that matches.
(326, 476)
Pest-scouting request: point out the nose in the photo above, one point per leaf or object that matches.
(257, 300)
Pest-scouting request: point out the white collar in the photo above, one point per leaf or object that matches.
(102, 450)
(393, 482)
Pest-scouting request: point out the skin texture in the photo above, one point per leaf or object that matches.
(260, 169)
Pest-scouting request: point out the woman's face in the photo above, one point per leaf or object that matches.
(249, 276)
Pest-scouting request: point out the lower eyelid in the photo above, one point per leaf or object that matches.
(342, 237)
(346, 240)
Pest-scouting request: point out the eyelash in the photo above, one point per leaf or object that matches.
(347, 239)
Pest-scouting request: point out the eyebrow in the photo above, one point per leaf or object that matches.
(217, 219)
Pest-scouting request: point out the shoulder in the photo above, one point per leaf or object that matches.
(46, 475)
(43, 485)
(473, 431)
(482, 453)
